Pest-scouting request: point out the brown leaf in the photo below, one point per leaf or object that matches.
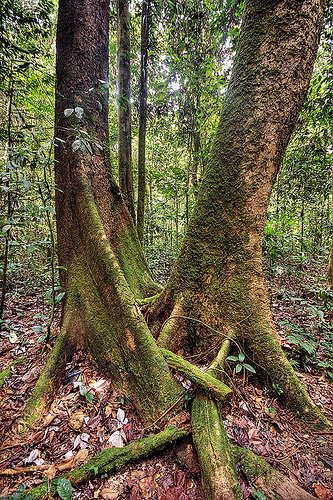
(68, 463)
(77, 420)
(135, 493)
(38, 436)
(51, 472)
(81, 456)
(322, 492)
(147, 486)
(174, 493)
(180, 478)
(109, 494)
(48, 419)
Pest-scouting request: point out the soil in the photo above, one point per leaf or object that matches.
(87, 415)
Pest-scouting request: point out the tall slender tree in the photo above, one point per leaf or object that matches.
(124, 107)
(145, 22)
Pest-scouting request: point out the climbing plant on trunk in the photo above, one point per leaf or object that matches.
(216, 297)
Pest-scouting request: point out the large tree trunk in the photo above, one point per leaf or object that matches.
(216, 297)
(217, 286)
(103, 267)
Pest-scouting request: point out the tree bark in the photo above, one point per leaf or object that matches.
(145, 22)
(102, 262)
(217, 282)
(124, 107)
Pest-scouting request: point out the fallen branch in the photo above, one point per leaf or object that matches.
(23, 470)
(112, 459)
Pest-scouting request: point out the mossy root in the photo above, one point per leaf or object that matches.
(264, 478)
(218, 472)
(112, 459)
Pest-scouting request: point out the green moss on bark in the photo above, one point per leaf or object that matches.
(214, 451)
(113, 459)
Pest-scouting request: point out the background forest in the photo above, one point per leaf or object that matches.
(190, 53)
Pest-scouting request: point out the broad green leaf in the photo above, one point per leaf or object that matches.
(83, 389)
(68, 112)
(238, 368)
(241, 357)
(249, 368)
(59, 297)
(89, 397)
(38, 329)
(6, 228)
(232, 358)
(64, 489)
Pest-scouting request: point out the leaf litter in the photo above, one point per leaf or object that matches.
(74, 429)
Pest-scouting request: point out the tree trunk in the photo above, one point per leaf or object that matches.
(145, 21)
(217, 286)
(97, 243)
(124, 107)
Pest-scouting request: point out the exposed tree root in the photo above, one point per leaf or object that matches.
(112, 459)
(263, 477)
(267, 352)
(210, 384)
(50, 378)
(218, 472)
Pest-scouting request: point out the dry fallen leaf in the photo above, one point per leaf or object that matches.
(38, 436)
(51, 472)
(147, 486)
(322, 492)
(76, 420)
(48, 419)
(68, 463)
(82, 441)
(109, 494)
(116, 440)
(81, 456)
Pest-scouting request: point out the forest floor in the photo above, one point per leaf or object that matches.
(87, 415)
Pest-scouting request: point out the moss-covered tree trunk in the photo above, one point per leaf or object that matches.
(218, 279)
(103, 268)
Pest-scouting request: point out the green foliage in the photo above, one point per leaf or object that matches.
(240, 363)
(278, 389)
(64, 489)
(84, 391)
(258, 494)
(18, 495)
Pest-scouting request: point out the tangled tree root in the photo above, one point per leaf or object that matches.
(263, 477)
(204, 380)
(218, 472)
